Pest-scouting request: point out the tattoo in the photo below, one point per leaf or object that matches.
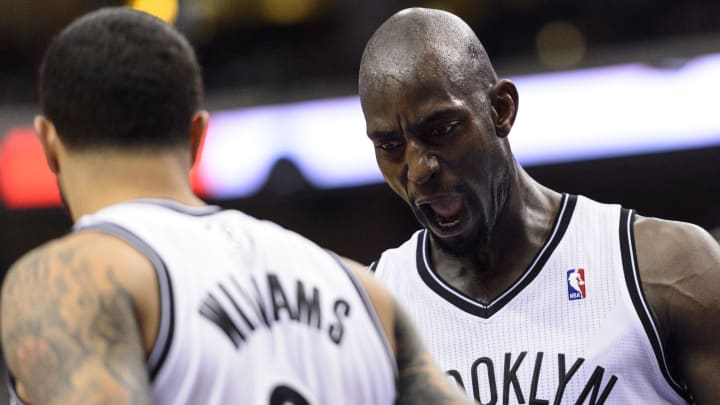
(69, 330)
(420, 382)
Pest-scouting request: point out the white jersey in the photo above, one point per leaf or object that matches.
(251, 313)
(574, 329)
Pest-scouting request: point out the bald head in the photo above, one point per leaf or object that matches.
(419, 44)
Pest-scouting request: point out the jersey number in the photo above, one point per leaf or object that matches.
(284, 395)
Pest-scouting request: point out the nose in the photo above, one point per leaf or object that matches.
(421, 164)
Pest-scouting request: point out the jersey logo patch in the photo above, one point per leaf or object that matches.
(576, 284)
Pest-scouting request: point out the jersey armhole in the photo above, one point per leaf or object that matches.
(373, 266)
(637, 295)
(370, 308)
(12, 390)
(166, 328)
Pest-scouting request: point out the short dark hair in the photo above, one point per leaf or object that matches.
(122, 79)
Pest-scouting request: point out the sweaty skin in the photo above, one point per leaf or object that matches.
(439, 118)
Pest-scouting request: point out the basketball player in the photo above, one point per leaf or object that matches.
(524, 294)
(158, 297)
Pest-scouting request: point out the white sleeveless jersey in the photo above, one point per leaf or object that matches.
(574, 329)
(251, 313)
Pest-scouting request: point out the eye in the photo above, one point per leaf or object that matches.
(444, 129)
(389, 146)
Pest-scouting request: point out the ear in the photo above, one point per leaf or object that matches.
(198, 126)
(49, 140)
(504, 99)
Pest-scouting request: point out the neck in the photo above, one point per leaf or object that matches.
(522, 226)
(91, 182)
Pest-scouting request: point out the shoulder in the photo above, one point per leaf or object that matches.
(67, 276)
(64, 302)
(84, 253)
(673, 252)
(672, 241)
(679, 264)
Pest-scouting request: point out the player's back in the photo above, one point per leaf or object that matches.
(250, 312)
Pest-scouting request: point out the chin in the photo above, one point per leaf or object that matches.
(465, 242)
(465, 239)
(459, 245)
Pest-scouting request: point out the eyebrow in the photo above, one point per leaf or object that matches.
(436, 116)
(380, 135)
(424, 122)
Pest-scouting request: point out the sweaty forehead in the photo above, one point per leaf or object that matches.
(414, 60)
(415, 84)
(414, 81)
(406, 85)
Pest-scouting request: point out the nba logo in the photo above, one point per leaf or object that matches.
(576, 284)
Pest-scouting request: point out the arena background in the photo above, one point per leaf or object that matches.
(296, 59)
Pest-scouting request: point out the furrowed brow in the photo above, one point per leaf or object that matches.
(440, 115)
(380, 135)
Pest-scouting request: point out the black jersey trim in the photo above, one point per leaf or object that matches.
(166, 330)
(472, 306)
(375, 319)
(373, 266)
(637, 295)
(12, 390)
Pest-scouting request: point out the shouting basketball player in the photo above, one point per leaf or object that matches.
(524, 294)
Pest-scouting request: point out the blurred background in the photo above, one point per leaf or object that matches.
(618, 101)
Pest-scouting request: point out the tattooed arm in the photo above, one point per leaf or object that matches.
(420, 381)
(69, 328)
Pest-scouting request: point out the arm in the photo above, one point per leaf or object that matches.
(419, 379)
(69, 330)
(680, 268)
(354, 265)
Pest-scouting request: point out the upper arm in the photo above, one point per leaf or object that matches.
(69, 330)
(680, 268)
(420, 381)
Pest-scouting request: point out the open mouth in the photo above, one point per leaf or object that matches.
(446, 212)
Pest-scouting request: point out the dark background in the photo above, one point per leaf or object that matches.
(257, 52)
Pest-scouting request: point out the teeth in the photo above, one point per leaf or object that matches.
(444, 223)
